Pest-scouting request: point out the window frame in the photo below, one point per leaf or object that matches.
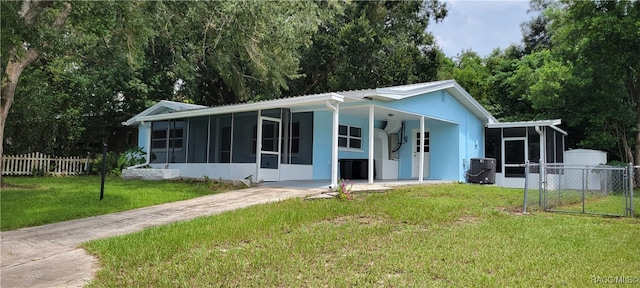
(348, 137)
(169, 139)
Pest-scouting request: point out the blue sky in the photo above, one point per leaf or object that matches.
(480, 25)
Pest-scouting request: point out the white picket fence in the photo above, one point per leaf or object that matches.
(27, 164)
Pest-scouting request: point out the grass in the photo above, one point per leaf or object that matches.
(445, 235)
(32, 201)
(596, 202)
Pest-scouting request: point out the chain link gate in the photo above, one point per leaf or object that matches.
(600, 190)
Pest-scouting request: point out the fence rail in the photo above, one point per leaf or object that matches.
(39, 163)
(601, 189)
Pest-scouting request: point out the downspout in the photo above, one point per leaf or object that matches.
(334, 145)
(371, 148)
(148, 160)
(543, 152)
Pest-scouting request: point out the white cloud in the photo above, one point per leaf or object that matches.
(480, 26)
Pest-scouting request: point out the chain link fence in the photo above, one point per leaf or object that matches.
(601, 190)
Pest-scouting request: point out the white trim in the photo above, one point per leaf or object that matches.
(421, 168)
(388, 93)
(334, 142)
(548, 123)
(351, 106)
(269, 174)
(264, 105)
(349, 137)
(176, 106)
(258, 145)
(525, 124)
(296, 172)
(504, 154)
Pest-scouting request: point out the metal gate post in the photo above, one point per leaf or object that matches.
(542, 178)
(629, 208)
(584, 186)
(526, 186)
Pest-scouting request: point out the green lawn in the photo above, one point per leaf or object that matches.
(446, 235)
(31, 201)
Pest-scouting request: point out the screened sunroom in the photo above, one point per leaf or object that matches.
(513, 143)
(231, 138)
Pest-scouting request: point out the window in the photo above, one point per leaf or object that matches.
(175, 139)
(426, 142)
(349, 137)
(270, 136)
(167, 141)
(493, 146)
(295, 138)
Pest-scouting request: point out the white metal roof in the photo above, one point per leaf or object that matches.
(163, 107)
(550, 123)
(385, 94)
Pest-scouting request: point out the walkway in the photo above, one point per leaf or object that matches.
(48, 255)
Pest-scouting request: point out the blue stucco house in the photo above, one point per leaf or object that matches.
(419, 131)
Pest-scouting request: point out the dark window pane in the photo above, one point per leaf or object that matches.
(534, 144)
(295, 129)
(559, 147)
(355, 143)
(295, 146)
(269, 161)
(268, 145)
(175, 143)
(159, 134)
(273, 113)
(157, 144)
(225, 144)
(225, 157)
(514, 152)
(354, 132)
(514, 172)
(515, 132)
(493, 146)
(342, 142)
(268, 130)
(342, 130)
(550, 145)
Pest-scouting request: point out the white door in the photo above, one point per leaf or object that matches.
(417, 146)
(269, 131)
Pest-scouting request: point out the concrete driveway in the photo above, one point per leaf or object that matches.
(48, 255)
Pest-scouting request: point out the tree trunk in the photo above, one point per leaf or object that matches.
(19, 60)
(14, 69)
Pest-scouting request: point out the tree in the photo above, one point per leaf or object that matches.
(535, 33)
(24, 29)
(372, 44)
(224, 52)
(594, 72)
(90, 65)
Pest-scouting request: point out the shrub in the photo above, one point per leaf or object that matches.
(116, 162)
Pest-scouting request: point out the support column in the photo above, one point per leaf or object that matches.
(371, 164)
(334, 144)
(421, 169)
(258, 145)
